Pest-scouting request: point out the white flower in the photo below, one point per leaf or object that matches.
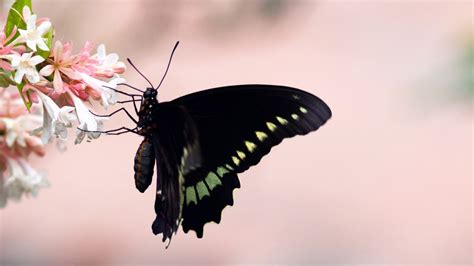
(109, 64)
(108, 96)
(33, 36)
(87, 121)
(104, 58)
(18, 128)
(55, 120)
(25, 65)
(22, 179)
(81, 133)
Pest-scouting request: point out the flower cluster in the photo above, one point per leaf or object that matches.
(61, 80)
(55, 90)
(17, 176)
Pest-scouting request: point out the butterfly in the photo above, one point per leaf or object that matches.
(200, 142)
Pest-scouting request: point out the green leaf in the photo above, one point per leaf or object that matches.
(29, 103)
(5, 79)
(14, 17)
(4, 82)
(49, 43)
(27, 100)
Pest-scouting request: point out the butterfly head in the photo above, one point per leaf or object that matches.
(149, 100)
(149, 94)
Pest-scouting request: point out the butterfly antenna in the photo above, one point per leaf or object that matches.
(169, 63)
(130, 62)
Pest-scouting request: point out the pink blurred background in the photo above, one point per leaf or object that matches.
(387, 180)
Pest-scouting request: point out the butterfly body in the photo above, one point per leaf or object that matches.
(143, 165)
(200, 142)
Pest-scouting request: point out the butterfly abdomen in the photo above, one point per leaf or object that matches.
(144, 163)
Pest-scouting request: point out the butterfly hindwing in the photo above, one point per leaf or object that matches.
(206, 197)
(176, 147)
(237, 126)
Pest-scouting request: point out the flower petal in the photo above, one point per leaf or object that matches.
(101, 52)
(36, 60)
(58, 50)
(31, 44)
(71, 73)
(47, 70)
(43, 28)
(83, 115)
(31, 23)
(111, 59)
(26, 13)
(42, 45)
(58, 82)
(19, 75)
(32, 75)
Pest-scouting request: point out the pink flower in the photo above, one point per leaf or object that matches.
(85, 63)
(63, 62)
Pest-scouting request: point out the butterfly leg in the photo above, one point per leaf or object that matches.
(130, 101)
(120, 133)
(128, 94)
(116, 111)
(130, 86)
(124, 93)
(113, 131)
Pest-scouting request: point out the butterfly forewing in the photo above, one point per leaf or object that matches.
(237, 126)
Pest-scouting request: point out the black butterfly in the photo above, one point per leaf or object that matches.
(201, 141)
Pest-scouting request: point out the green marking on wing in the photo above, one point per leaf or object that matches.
(229, 167)
(202, 190)
(191, 195)
(250, 146)
(282, 120)
(213, 180)
(261, 135)
(271, 126)
(221, 171)
(295, 116)
(241, 155)
(303, 110)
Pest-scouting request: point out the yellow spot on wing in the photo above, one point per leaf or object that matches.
(295, 116)
(261, 135)
(235, 160)
(282, 120)
(213, 180)
(190, 195)
(303, 110)
(202, 190)
(241, 155)
(250, 146)
(271, 126)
